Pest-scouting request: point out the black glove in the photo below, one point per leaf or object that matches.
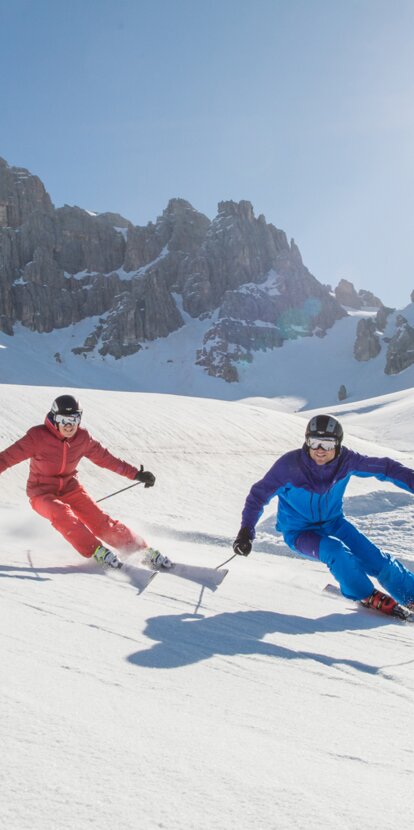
(147, 479)
(243, 542)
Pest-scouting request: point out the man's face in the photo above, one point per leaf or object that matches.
(321, 456)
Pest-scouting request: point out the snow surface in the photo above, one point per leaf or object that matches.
(265, 704)
(303, 374)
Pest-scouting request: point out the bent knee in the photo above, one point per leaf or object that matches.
(308, 544)
(50, 508)
(330, 549)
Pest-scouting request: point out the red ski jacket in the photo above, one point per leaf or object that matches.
(54, 459)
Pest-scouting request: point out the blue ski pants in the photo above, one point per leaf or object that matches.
(352, 559)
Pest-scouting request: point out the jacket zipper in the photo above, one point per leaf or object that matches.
(63, 465)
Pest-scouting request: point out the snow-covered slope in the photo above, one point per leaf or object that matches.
(266, 704)
(303, 374)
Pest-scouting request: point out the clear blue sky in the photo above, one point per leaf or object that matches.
(303, 107)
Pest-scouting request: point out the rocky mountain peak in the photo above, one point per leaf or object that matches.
(185, 227)
(21, 194)
(242, 210)
(114, 219)
(347, 295)
(178, 207)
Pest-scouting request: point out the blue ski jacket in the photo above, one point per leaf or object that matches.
(311, 495)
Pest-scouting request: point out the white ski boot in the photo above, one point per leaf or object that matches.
(106, 558)
(155, 560)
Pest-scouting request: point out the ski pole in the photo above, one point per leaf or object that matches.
(118, 491)
(202, 589)
(227, 560)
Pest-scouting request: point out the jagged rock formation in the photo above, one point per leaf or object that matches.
(369, 300)
(382, 317)
(346, 295)
(367, 344)
(21, 195)
(59, 266)
(396, 334)
(400, 353)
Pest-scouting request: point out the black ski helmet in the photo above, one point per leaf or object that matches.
(325, 426)
(65, 405)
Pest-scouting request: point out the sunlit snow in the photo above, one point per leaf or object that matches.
(264, 704)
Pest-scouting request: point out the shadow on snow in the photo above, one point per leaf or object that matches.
(33, 573)
(185, 639)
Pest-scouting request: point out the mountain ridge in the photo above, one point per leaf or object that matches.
(237, 275)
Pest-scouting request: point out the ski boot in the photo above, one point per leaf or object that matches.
(106, 558)
(155, 560)
(385, 604)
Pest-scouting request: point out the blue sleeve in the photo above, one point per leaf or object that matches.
(385, 469)
(260, 494)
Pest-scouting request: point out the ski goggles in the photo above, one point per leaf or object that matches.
(323, 443)
(65, 420)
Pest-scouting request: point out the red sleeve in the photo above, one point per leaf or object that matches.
(103, 458)
(19, 451)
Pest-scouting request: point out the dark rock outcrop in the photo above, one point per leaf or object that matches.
(400, 353)
(367, 343)
(347, 295)
(21, 194)
(382, 317)
(369, 300)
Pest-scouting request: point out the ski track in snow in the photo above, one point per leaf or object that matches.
(266, 703)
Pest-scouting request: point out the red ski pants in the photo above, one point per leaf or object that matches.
(76, 516)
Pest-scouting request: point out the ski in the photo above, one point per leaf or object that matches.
(140, 578)
(208, 577)
(399, 613)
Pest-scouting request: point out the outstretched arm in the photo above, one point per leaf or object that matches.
(100, 456)
(17, 452)
(385, 469)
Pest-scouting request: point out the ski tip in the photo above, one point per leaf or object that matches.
(403, 614)
(331, 589)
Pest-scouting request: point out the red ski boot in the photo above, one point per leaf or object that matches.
(385, 604)
(381, 602)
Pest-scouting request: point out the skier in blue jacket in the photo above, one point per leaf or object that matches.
(310, 484)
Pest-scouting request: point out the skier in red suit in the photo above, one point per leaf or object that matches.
(55, 449)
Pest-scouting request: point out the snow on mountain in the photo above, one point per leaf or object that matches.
(304, 373)
(266, 703)
(222, 308)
